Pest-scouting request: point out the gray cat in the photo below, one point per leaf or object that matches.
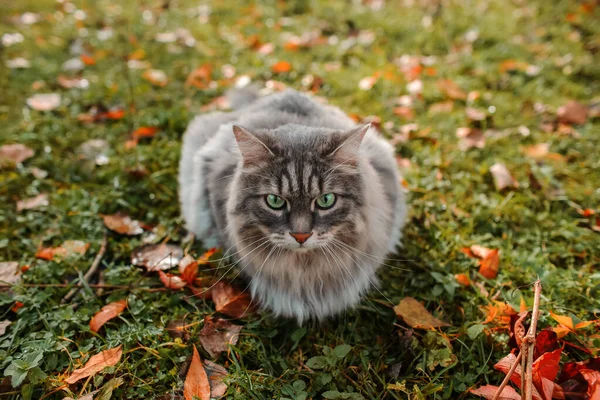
(307, 202)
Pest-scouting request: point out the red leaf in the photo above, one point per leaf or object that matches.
(114, 114)
(97, 363)
(488, 392)
(504, 366)
(281, 66)
(572, 369)
(230, 300)
(107, 313)
(171, 281)
(188, 268)
(489, 265)
(200, 77)
(546, 341)
(88, 60)
(217, 335)
(196, 381)
(144, 132)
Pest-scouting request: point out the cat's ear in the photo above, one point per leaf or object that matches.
(252, 148)
(347, 150)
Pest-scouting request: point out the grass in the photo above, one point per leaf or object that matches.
(453, 199)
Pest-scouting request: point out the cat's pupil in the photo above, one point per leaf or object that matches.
(326, 201)
(275, 201)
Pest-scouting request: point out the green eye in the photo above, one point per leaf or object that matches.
(274, 201)
(326, 201)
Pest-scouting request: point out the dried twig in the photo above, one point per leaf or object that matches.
(92, 270)
(507, 377)
(528, 345)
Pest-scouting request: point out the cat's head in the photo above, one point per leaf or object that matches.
(299, 188)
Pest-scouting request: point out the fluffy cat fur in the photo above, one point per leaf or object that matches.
(291, 146)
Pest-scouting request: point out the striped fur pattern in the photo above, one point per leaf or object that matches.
(291, 146)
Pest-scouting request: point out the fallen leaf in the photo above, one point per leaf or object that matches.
(367, 83)
(475, 114)
(95, 150)
(87, 59)
(404, 112)
(157, 257)
(488, 392)
(572, 369)
(499, 313)
(230, 300)
(572, 113)
(177, 328)
(451, 89)
(41, 200)
(215, 374)
(72, 83)
(444, 107)
(463, 279)
(107, 313)
(171, 281)
(145, 132)
(217, 335)
(122, 224)
(537, 151)
(545, 341)
(593, 380)
(15, 153)
(505, 364)
(567, 325)
(67, 249)
(205, 258)
(480, 251)
(547, 365)
(44, 101)
(489, 264)
(156, 77)
(97, 363)
(10, 272)
(502, 178)
(470, 138)
(519, 328)
(188, 268)
(196, 383)
(281, 66)
(3, 325)
(416, 315)
(200, 77)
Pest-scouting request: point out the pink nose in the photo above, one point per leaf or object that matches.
(301, 237)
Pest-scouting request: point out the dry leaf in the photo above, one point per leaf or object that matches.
(416, 315)
(171, 281)
(281, 66)
(451, 89)
(475, 114)
(188, 268)
(3, 325)
(9, 272)
(463, 279)
(502, 178)
(122, 224)
(107, 313)
(205, 258)
(567, 325)
(537, 151)
(41, 200)
(196, 381)
(572, 113)
(505, 364)
(200, 77)
(489, 264)
(44, 102)
(519, 329)
(72, 83)
(499, 313)
(593, 380)
(15, 153)
(177, 329)
(480, 251)
(230, 300)
(156, 77)
(444, 107)
(217, 335)
(488, 392)
(469, 138)
(68, 248)
(367, 83)
(87, 59)
(157, 257)
(215, 374)
(145, 132)
(97, 363)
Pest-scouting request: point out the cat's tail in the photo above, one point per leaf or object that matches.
(242, 97)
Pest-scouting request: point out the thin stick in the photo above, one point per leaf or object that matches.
(92, 270)
(507, 377)
(528, 344)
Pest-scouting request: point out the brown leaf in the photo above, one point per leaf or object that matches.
(122, 224)
(68, 248)
(200, 77)
(230, 300)
(177, 329)
(157, 257)
(572, 113)
(44, 102)
(488, 392)
(41, 200)
(469, 138)
(593, 380)
(519, 328)
(537, 151)
(188, 268)
(107, 313)
(444, 107)
(215, 374)
(196, 381)
(3, 325)
(404, 112)
(217, 335)
(171, 281)
(9, 272)
(502, 178)
(451, 89)
(416, 315)
(475, 114)
(281, 66)
(97, 363)
(72, 83)
(15, 153)
(156, 77)
(489, 264)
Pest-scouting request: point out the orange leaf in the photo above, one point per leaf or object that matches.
(204, 259)
(114, 114)
(200, 77)
(122, 224)
(489, 265)
(451, 89)
(281, 66)
(584, 324)
(593, 380)
(488, 392)
(230, 300)
(190, 271)
(546, 365)
(97, 363)
(499, 313)
(468, 252)
(107, 313)
(416, 315)
(171, 281)
(18, 305)
(145, 132)
(463, 279)
(196, 381)
(567, 322)
(88, 60)
(523, 305)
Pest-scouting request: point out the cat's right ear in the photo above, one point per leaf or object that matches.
(253, 150)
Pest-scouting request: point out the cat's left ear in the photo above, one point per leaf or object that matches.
(252, 148)
(347, 151)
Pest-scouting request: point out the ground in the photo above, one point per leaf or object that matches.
(420, 69)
